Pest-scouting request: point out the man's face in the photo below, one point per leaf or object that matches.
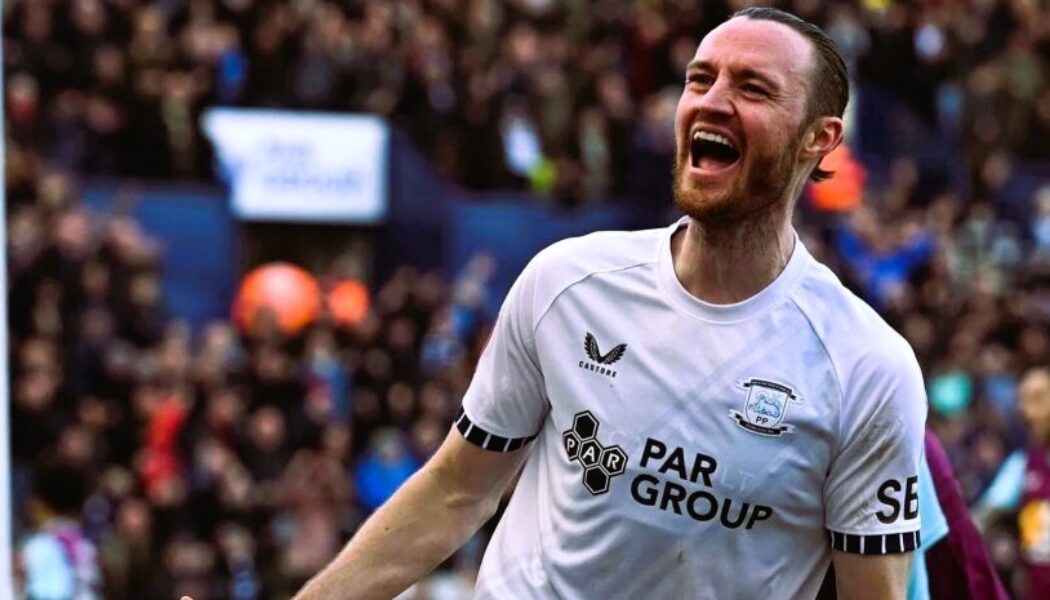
(1034, 403)
(739, 121)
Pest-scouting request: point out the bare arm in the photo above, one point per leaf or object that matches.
(878, 577)
(433, 514)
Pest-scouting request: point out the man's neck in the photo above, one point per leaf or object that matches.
(729, 263)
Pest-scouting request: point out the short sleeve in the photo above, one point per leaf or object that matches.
(871, 495)
(505, 405)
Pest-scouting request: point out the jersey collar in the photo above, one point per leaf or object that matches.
(683, 301)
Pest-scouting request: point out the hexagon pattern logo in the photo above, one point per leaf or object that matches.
(600, 463)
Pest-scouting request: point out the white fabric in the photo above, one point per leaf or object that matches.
(840, 393)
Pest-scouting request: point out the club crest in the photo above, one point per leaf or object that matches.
(765, 407)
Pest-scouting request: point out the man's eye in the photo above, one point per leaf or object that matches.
(754, 89)
(700, 79)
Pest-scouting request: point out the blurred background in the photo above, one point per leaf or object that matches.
(254, 247)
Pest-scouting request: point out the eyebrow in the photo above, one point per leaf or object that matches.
(741, 73)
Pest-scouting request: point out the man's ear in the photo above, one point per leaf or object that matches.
(821, 137)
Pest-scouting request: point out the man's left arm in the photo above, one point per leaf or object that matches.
(871, 494)
(882, 577)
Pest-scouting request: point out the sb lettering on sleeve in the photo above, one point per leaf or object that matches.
(898, 499)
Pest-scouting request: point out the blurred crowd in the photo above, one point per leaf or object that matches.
(239, 461)
(971, 293)
(568, 98)
(229, 462)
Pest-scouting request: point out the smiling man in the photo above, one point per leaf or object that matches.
(701, 411)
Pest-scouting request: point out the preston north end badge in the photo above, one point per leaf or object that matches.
(765, 407)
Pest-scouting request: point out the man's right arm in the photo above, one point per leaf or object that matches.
(441, 506)
(430, 517)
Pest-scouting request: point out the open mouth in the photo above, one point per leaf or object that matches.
(711, 151)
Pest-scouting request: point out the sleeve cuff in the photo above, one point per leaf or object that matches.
(889, 543)
(484, 439)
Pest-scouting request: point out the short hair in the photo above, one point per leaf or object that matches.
(829, 82)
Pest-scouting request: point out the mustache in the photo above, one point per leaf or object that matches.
(762, 183)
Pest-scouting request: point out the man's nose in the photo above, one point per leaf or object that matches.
(717, 100)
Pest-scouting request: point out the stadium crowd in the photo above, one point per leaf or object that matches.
(239, 460)
(242, 460)
(567, 98)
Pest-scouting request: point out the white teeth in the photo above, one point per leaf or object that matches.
(713, 137)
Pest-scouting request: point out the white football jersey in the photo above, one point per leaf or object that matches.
(690, 450)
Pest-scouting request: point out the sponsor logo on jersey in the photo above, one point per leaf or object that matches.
(765, 407)
(671, 479)
(598, 362)
(683, 484)
(600, 463)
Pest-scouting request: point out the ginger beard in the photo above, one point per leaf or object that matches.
(761, 181)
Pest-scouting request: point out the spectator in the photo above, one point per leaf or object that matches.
(489, 91)
(383, 469)
(1020, 487)
(57, 561)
